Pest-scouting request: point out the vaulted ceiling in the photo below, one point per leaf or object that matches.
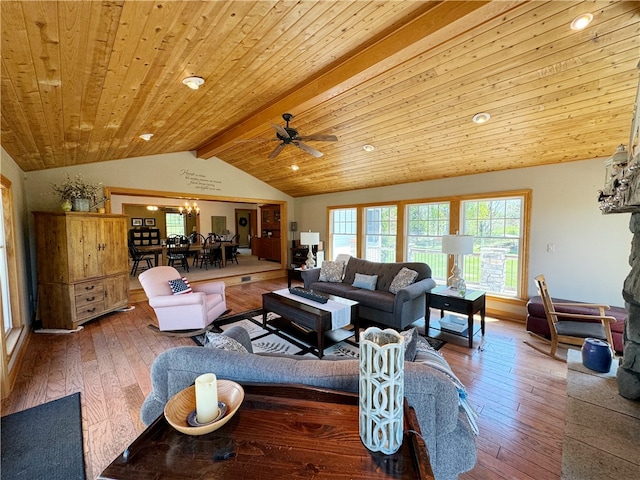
(81, 80)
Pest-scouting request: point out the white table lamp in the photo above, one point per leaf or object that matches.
(456, 245)
(311, 239)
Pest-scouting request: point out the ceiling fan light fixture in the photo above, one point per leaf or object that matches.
(146, 136)
(581, 21)
(480, 118)
(368, 148)
(295, 168)
(193, 83)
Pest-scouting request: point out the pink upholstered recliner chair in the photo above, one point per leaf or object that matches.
(188, 311)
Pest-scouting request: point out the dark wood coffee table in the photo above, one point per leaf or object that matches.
(313, 317)
(279, 432)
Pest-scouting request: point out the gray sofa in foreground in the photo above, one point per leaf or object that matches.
(445, 426)
(398, 310)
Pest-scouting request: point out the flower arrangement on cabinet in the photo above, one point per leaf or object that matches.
(75, 190)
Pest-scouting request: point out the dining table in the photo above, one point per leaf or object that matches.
(160, 251)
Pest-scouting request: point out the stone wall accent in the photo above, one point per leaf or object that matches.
(628, 374)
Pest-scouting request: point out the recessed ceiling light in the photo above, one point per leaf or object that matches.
(581, 21)
(146, 136)
(295, 168)
(482, 117)
(193, 82)
(368, 148)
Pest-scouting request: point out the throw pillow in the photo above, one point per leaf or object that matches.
(404, 278)
(180, 286)
(331, 271)
(365, 281)
(410, 344)
(222, 342)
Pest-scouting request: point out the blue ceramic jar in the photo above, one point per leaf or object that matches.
(596, 355)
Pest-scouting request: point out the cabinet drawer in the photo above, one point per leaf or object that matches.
(89, 310)
(448, 303)
(94, 296)
(95, 286)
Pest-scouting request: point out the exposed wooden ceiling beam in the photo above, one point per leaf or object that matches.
(440, 23)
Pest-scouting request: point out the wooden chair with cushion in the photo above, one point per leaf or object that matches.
(571, 329)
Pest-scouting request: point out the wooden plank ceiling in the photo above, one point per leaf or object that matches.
(82, 80)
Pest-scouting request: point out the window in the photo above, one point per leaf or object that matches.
(499, 223)
(174, 224)
(426, 224)
(497, 228)
(4, 274)
(343, 231)
(381, 230)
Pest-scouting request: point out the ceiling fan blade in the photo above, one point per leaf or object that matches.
(320, 138)
(277, 150)
(308, 149)
(281, 130)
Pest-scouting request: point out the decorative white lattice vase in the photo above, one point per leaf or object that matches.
(381, 390)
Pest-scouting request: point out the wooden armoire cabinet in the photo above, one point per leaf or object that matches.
(268, 245)
(83, 266)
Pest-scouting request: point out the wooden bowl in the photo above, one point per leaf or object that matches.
(183, 403)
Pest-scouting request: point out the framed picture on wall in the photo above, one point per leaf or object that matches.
(136, 222)
(149, 222)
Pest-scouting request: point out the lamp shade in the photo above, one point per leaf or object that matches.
(309, 238)
(457, 244)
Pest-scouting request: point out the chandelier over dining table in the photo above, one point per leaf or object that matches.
(190, 209)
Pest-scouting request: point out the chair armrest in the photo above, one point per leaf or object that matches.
(210, 287)
(414, 290)
(587, 305)
(584, 316)
(310, 276)
(195, 298)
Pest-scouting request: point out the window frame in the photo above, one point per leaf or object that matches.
(455, 202)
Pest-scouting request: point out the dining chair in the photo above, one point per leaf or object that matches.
(178, 251)
(231, 251)
(212, 253)
(571, 329)
(200, 240)
(137, 257)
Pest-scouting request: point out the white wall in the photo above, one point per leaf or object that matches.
(207, 208)
(590, 261)
(178, 172)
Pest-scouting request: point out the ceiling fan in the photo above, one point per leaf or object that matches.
(290, 136)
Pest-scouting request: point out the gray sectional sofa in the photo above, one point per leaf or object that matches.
(380, 306)
(446, 427)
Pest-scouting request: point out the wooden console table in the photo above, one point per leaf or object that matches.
(280, 431)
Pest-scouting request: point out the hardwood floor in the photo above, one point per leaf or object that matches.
(519, 394)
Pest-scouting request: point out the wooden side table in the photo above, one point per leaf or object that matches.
(280, 431)
(470, 304)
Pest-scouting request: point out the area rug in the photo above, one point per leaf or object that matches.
(44, 441)
(280, 336)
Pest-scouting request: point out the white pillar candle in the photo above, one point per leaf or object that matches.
(206, 398)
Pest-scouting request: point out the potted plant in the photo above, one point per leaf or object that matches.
(76, 193)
